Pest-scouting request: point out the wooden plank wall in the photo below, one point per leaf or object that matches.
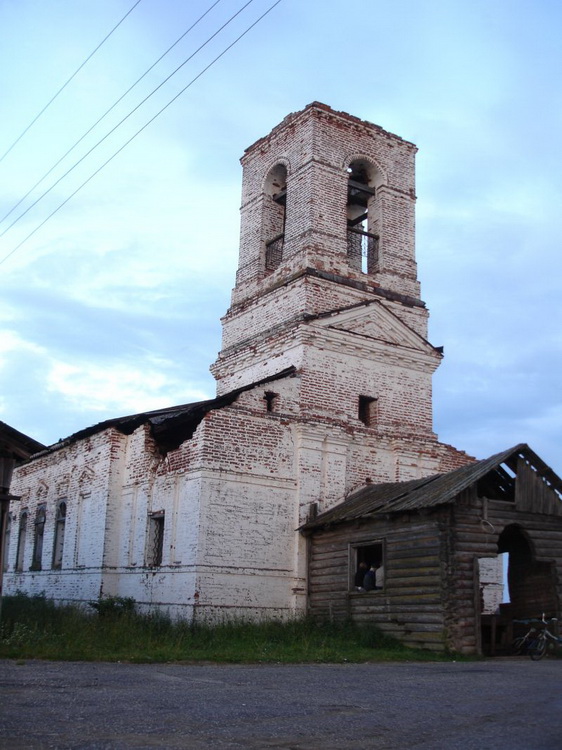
(473, 539)
(533, 494)
(470, 539)
(411, 605)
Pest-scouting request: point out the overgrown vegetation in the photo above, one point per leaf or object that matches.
(35, 628)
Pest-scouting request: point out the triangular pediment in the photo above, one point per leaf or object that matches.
(375, 321)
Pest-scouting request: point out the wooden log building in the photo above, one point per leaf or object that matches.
(432, 539)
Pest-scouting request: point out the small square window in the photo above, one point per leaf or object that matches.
(367, 410)
(270, 399)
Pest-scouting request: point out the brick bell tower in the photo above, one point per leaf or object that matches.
(327, 278)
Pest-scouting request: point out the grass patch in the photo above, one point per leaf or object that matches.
(35, 628)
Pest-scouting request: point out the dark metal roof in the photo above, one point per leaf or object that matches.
(16, 443)
(171, 426)
(438, 489)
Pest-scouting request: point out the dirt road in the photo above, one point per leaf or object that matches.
(489, 705)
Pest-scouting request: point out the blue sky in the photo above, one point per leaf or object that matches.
(113, 306)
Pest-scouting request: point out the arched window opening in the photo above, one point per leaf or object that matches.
(58, 545)
(362, 218)
(22, 534)
(275, 201)
(40, 518)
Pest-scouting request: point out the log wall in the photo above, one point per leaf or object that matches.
(431, 597)
(410, 606)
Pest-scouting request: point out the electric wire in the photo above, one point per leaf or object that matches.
(21, 135)
(149, 122)
(118, 125)
(100, 119)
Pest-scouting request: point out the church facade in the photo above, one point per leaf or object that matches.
(323, 387)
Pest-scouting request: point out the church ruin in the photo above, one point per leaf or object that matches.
(209, 510)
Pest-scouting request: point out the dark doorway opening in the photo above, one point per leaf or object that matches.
(530, 581)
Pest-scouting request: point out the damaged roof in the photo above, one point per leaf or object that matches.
(438, 489)
(171, 426)
(16, 443)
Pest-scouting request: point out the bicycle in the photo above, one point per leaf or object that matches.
(523, 643)
(544, 639)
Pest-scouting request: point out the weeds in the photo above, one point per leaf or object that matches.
(114, 606)
(34, 627)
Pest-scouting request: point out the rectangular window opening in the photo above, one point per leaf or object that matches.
(270, 398)
(367, 567)
(367, 410)
(155, 539)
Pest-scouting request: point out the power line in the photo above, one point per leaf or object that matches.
(115, 127)
(146, 72)
(21, 135)
(165, 107)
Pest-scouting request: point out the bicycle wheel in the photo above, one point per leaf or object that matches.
(537, 648)
(519, 645)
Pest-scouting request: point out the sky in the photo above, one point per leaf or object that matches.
(113, 305)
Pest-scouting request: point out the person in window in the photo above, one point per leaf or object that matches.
(369, 581)
(360, 575)
(379, 577)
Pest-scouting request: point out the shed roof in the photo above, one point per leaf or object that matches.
(438, 489)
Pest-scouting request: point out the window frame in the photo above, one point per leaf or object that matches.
(354, 559)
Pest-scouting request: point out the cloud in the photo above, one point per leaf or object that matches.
(122, 389)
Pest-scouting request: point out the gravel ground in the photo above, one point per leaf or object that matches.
(510, 704)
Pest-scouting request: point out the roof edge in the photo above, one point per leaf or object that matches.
(128, 424)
